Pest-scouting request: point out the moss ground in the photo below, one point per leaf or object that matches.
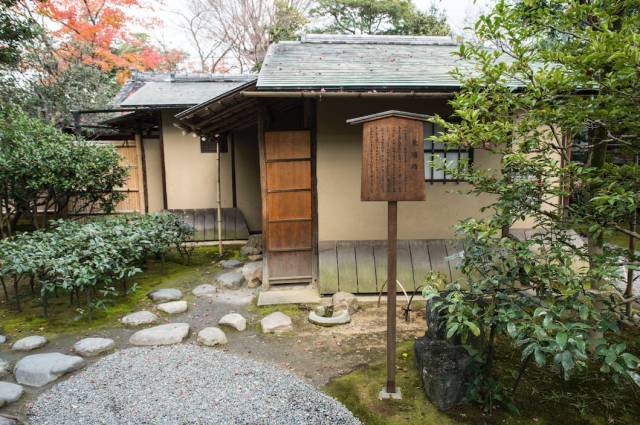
(65, 318)
(543, 398)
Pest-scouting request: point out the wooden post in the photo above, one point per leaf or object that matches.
(392, 260)
(628, 293)
(218, 197)
(141, 201)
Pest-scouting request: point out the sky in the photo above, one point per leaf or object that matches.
(460, 14)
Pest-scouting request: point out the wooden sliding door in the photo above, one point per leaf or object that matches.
(289, 206)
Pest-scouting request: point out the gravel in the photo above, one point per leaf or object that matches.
(185, 384)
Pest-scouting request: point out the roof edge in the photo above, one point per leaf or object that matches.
(388, 114)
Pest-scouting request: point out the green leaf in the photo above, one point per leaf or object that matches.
(539, 357)
(561, 340)
(473, 328)
(452, 330)
(511, 329)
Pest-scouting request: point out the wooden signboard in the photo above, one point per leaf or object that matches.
(393, 160)
(392, 171)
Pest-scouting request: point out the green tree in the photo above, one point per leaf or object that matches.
(14, 32)
(46, 173)
(556, 69)
(379, 17)
(287, 21)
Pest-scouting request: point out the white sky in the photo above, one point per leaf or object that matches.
(460, 14)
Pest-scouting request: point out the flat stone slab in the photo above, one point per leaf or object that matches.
(252, 272)
(89, 347)
(237, 297)
(235, 320)
(10, 392)
(288, 296)
(29, 343)
(171, 333)
(231, 264)
(342, 318)
(37, 370)
(3, 339)
(212, 336)
(230, 280)
(204, 290)
(7, 421)
(276, 323)
(5, 368)
(165, 294)
(173, 307)
(139, 318)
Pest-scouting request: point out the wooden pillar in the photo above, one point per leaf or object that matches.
(218, 195)
(263, 191)
(142, 206)
(392, 260)
(165, 204)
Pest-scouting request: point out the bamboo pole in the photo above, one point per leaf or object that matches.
(218, 197)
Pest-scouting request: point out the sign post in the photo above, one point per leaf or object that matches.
(392, 171)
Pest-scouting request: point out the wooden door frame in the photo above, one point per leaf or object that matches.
(309, 124)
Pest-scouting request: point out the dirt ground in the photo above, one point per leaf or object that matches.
(314, 353)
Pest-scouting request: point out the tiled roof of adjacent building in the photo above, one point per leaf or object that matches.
(335, 62)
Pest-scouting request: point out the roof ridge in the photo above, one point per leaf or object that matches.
(427, 40)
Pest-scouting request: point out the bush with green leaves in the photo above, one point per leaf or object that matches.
(89, 260)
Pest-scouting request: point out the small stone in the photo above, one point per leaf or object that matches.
(10, 392)
(89, 347)
(173, 307)
(139, 318)
(253, 246)
(252, 272)
(165, 294)
(171, 333)
(211, 336)
(5, 368)
(230, 280)
(276, 323)
(3, 339)
(254, 284)
(29, 343)
(256, 257)
(234, 320)
(37, 370)
(7, 421)
(343, 317)
(230, 264)
(204, 290)
(345, 301)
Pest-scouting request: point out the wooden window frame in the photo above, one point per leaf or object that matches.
(444, 150)
(208, 144)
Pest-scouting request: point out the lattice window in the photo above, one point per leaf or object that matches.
(208, 144)
(438, 151)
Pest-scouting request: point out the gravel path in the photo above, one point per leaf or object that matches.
(184, 384)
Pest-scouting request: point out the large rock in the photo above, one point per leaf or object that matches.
(230, 280)
(344, 301)
(252, 272)
(10, 392)
(171, 333)
(7, 421)
(5, 368)
(89, 347)
(165, 294)
(29, 343)
(444, 371)
(139, 318)
(37, 370)
(211, 336)
(231, 264)
(256, 257)
(204, 290)
(277, 322)
(234, 320)
(173, 307)
(341, 318)
(253, 246)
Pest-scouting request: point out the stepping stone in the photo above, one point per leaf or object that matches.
(29, 343)
(204, 290)
(257, 257)
(139, 318)
(165, 294)
(9, 393)
(90, 347)
(173, 307)
(252, 272)
(238, 297)
(343, 317)
(171, 333)
(5, 368)
(211, 336)
(3, 339)
(230, 280)
(7, 421)
(345, 301)
(37, 370)
(231, 264)
(277, 322)
(234, 320)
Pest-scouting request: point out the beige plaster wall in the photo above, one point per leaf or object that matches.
(153, 163)
(190, 174)
(341, 214)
